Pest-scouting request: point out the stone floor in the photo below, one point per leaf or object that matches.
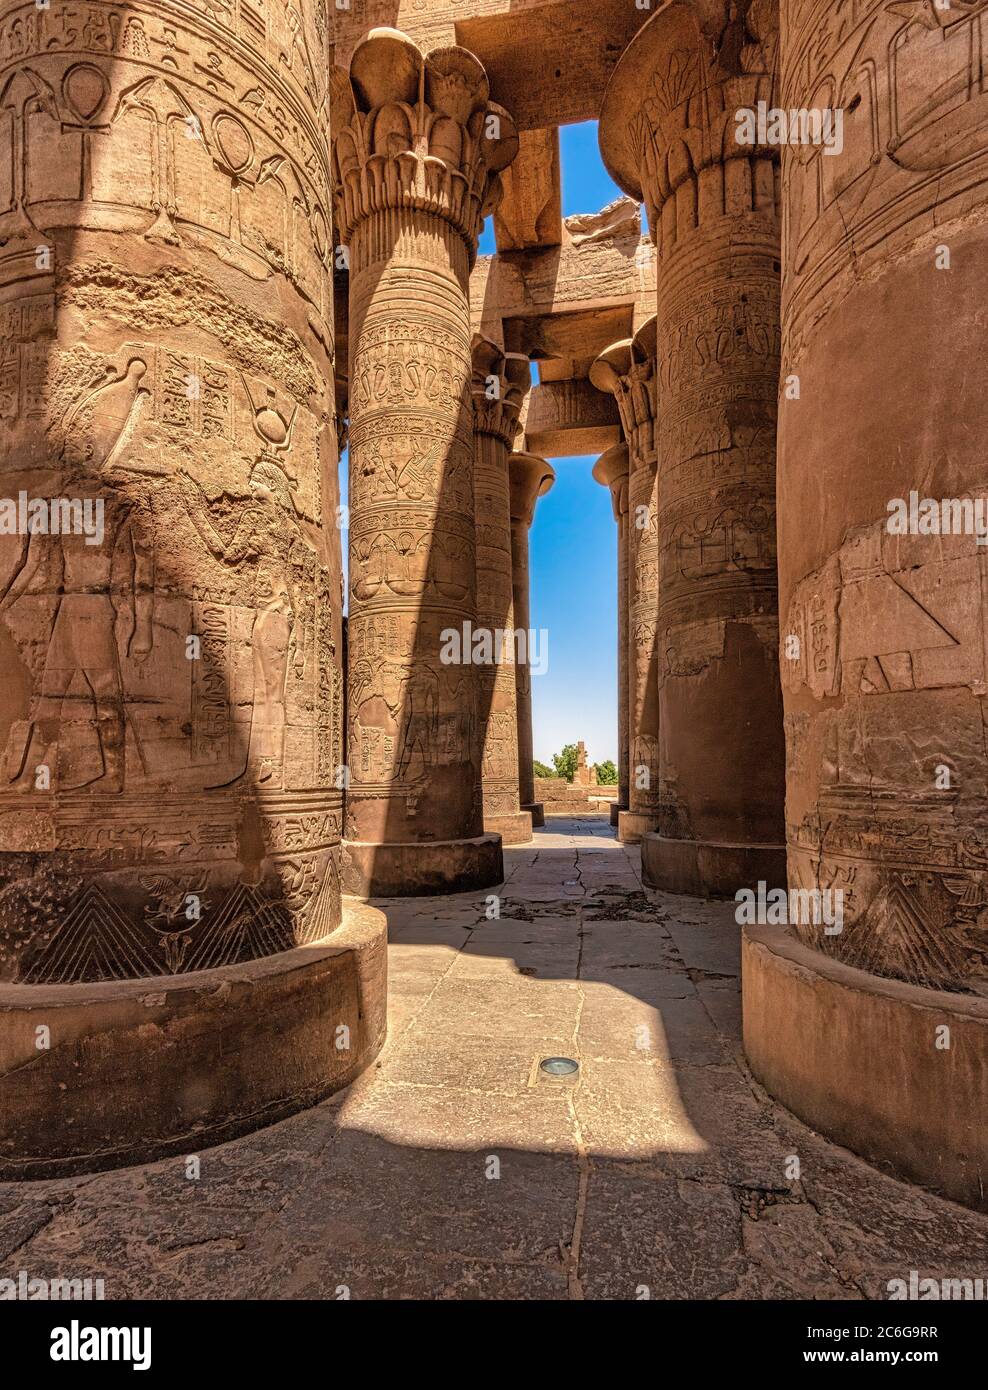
(454, 1169)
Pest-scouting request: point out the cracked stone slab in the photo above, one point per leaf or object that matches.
(673, 1239)
(629, 1029)
(372, 1196)
(19, 1223)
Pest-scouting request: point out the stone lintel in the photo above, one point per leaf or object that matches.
(587, 276)
(570, 418)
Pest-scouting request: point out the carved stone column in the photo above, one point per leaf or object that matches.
(171, 700)
(531, 478)
(668, 134)
(627, 369)
(611, 470)
(500, 381)
(883, 594)
(417, 150)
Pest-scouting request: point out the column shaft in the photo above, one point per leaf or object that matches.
(643, 701)
(627, 368)
(720, 703)
(413, 184)
(876, 1033)
(611, 470)
(531, 477)
(413, 768)
(623, 656)
(669, 131)
(523, 677)
(172, 689)
(498, 389)
(883, 641)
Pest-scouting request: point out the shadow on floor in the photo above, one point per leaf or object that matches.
(455, 1169)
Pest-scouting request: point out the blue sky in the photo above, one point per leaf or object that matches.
(573, 562)
(573, 569)
(573, 556)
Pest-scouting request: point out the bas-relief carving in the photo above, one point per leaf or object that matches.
(414, 177)
(890, 645)
(152, 136)
(668, 129)
(410, 717)
(911, 80)
(430, 465)
(499, 383)
(406, 562)
(715, 330)
(213, 477)
(115, 705)
(628, 370)
(684, 121)
(395, 366)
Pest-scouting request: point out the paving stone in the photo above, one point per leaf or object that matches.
(659, 1238)
(371, 1196)
(382, 1191)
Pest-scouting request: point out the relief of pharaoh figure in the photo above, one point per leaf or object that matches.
(102, 588)
(420, 711)
(262, 540)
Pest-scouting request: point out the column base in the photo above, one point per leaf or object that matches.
(514, 828)
(412, 870)
(142, 1069)
(537, 811)
(854, 1057)
(632, 825)
(615, 810)
(707, 870)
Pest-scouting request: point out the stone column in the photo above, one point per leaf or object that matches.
(417, 148)
(171, 706)
(611, 470)
(627, 369)
(883, 594)
(669, 134)
(531, 478)
(500, 381)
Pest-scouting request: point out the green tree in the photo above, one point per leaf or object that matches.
(607, 774)
(540, 769)
(565, 762)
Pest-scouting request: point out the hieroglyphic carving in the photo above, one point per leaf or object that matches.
(170, 125)
(498, 386)
(895, 671)
(175, 701)
(530, 478)
(668, 134)
(628, 370)
(414, 178)
(910, 78)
